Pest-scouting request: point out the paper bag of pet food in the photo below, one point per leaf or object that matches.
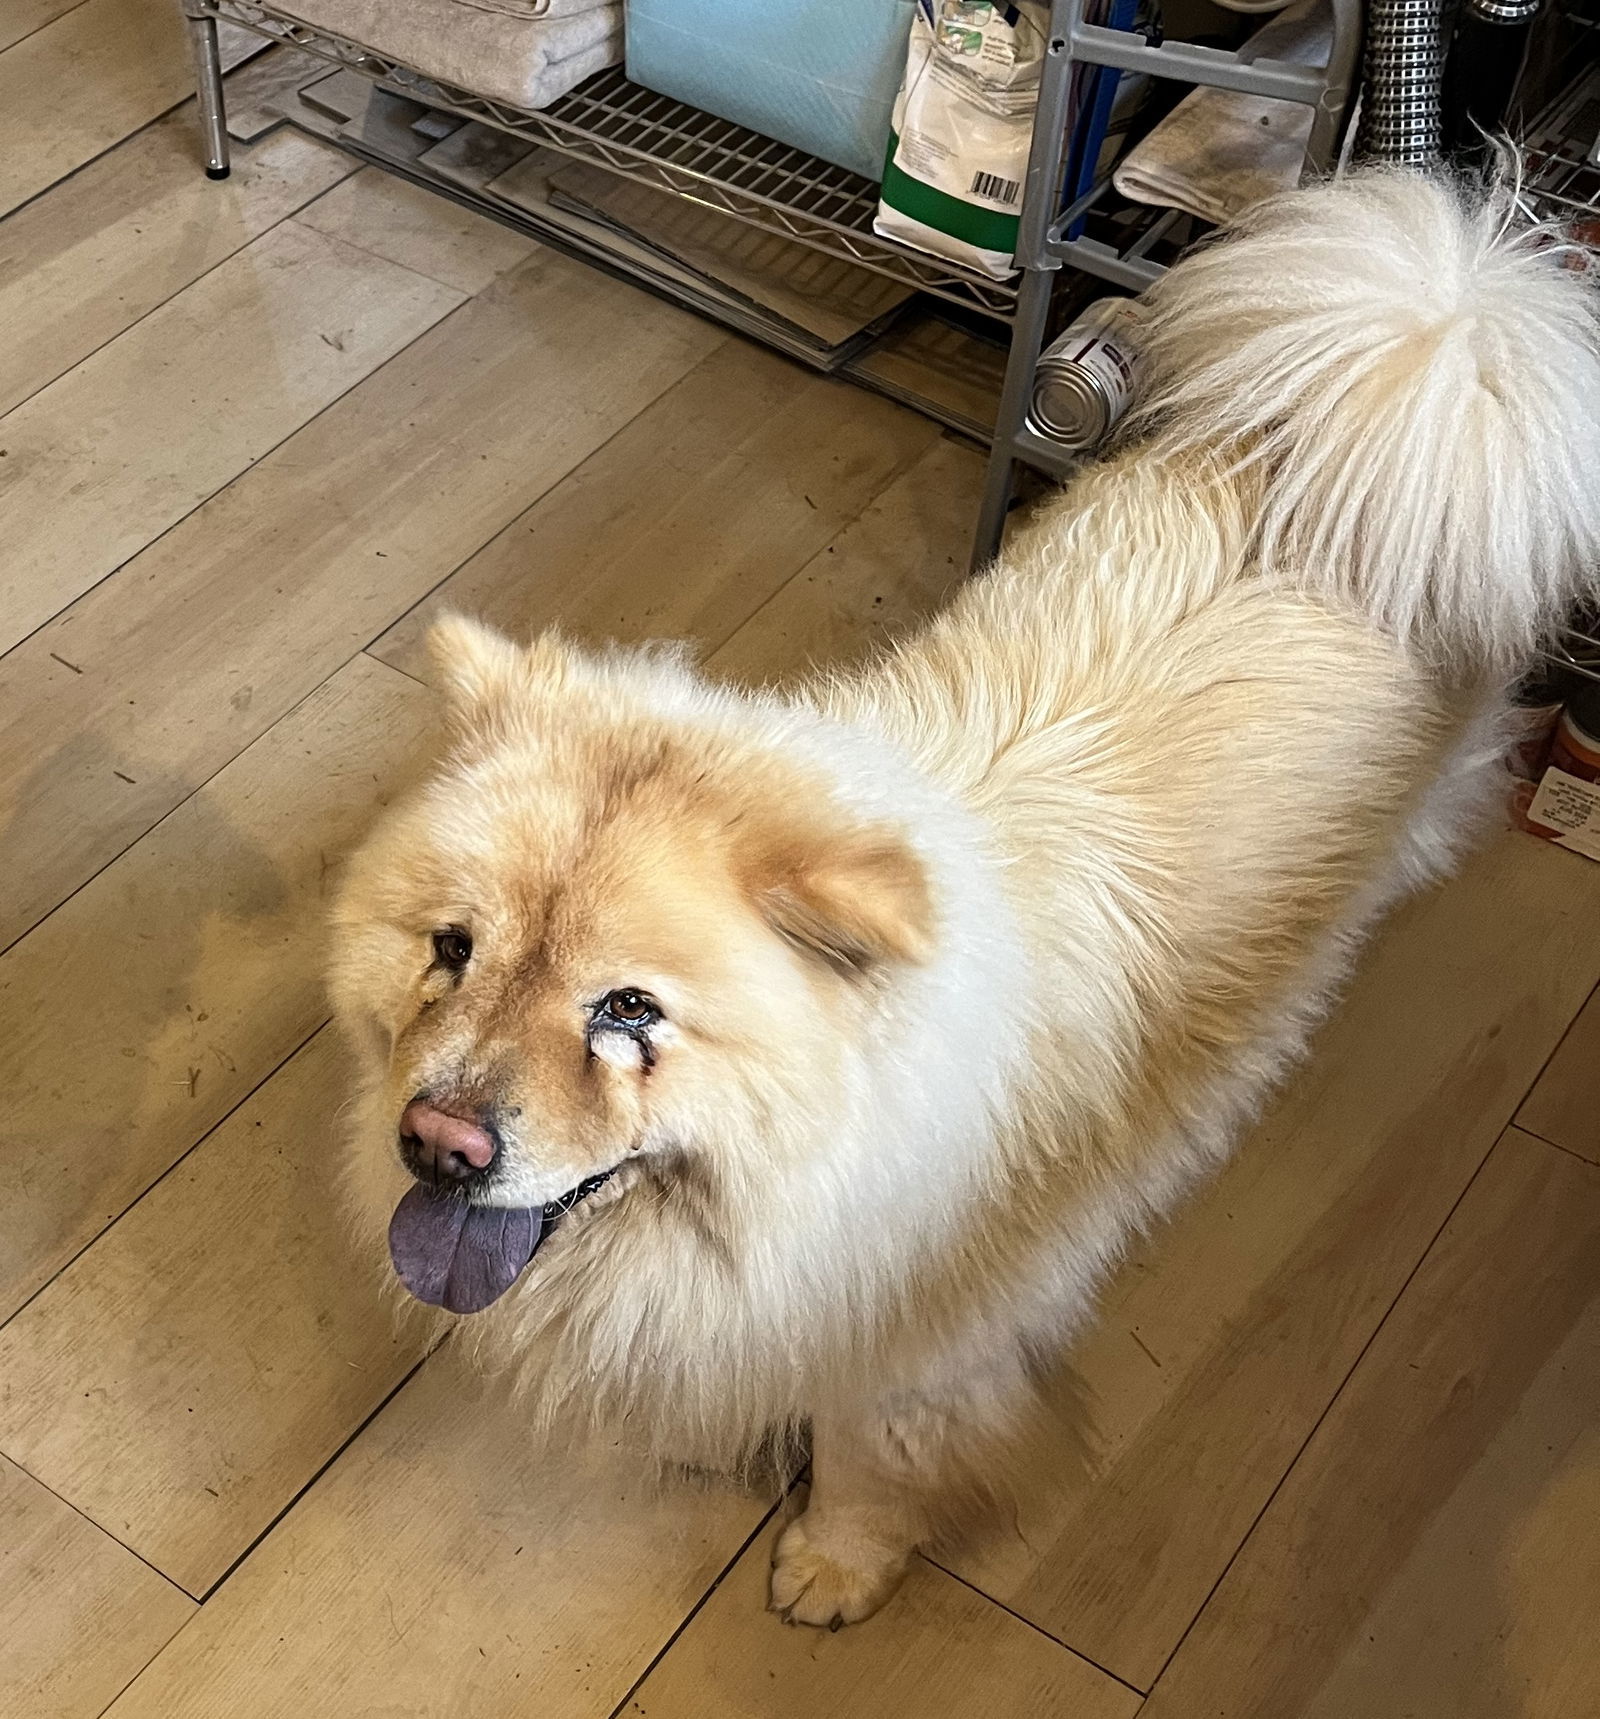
(962, 125)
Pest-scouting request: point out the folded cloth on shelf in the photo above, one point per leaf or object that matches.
(559, 76)
(1218, 151)
(529, 61)
(536, 8)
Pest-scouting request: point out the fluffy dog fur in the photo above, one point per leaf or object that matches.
(970, 962)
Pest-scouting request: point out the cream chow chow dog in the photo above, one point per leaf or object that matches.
(749, 1063)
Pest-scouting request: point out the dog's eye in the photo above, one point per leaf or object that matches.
(452, 948)
(629, 1009)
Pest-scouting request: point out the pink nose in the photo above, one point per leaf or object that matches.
(439, 1144)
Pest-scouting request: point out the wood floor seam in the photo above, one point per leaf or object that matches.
(1327, 1409)
(187, 1623)
(367, 250)
(394, 668)
(150, 310)
(901, 467)
(511, 524)
(128, 328)
(17, 43)
(222, 489)
(100, 154)
(99, 1527)
(1554, 1145)
(701, 1603)
(177, 805)
(144, 1192)
(1037, 1628)
(311, 1481)
(1555, 1051)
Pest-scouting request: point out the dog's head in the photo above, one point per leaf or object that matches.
(621, 923)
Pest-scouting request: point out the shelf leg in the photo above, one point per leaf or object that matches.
(1027, 336)
(208, 85)
(993, 509)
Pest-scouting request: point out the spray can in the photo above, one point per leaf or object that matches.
(1084, 379)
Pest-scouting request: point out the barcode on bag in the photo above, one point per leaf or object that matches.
(992, 186)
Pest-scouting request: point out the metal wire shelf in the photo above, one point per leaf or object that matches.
(1578, 653)
(1561, 184)
(1042, 245)
(669, 146)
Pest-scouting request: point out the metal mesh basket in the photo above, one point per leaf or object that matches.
(670, 146)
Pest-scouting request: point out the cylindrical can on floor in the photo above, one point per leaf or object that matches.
(1576, 747)
(1084, 379)
(1539, 700)
(1566, 807)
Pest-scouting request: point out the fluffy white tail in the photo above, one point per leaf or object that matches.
(1417, 379)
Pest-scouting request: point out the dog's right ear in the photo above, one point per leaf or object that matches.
(489, 681)
(855, 897)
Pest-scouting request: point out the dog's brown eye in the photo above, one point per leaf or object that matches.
(452, 948)
(630, 1008)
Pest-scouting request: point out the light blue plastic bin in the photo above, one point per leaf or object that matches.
(820, 74)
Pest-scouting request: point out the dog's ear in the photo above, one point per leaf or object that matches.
(854, 897)
(488, 679)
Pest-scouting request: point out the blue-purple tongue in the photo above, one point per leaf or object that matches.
(464, 1258)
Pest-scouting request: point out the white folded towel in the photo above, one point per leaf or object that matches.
(559, 76)
(525, 60)
(1218, 152)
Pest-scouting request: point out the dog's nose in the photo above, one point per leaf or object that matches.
(439, 1144)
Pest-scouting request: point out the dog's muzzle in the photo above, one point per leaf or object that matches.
(462, 1257)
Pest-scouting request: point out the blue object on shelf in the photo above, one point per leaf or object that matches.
(1099, 94)
(819, 74)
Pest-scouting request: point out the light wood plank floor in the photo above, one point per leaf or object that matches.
(1343, 1460)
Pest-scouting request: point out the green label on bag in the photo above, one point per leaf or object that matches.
(984, 229)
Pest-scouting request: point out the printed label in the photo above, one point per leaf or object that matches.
(1572, 806)
(1107, 342)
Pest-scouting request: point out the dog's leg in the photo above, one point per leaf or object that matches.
(884, 1476)
(846, 1555)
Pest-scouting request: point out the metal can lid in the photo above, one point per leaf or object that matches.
(1069, 407)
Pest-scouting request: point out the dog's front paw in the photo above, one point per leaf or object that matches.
(831, 1573)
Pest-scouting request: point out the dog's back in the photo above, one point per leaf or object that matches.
(1245, 680)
